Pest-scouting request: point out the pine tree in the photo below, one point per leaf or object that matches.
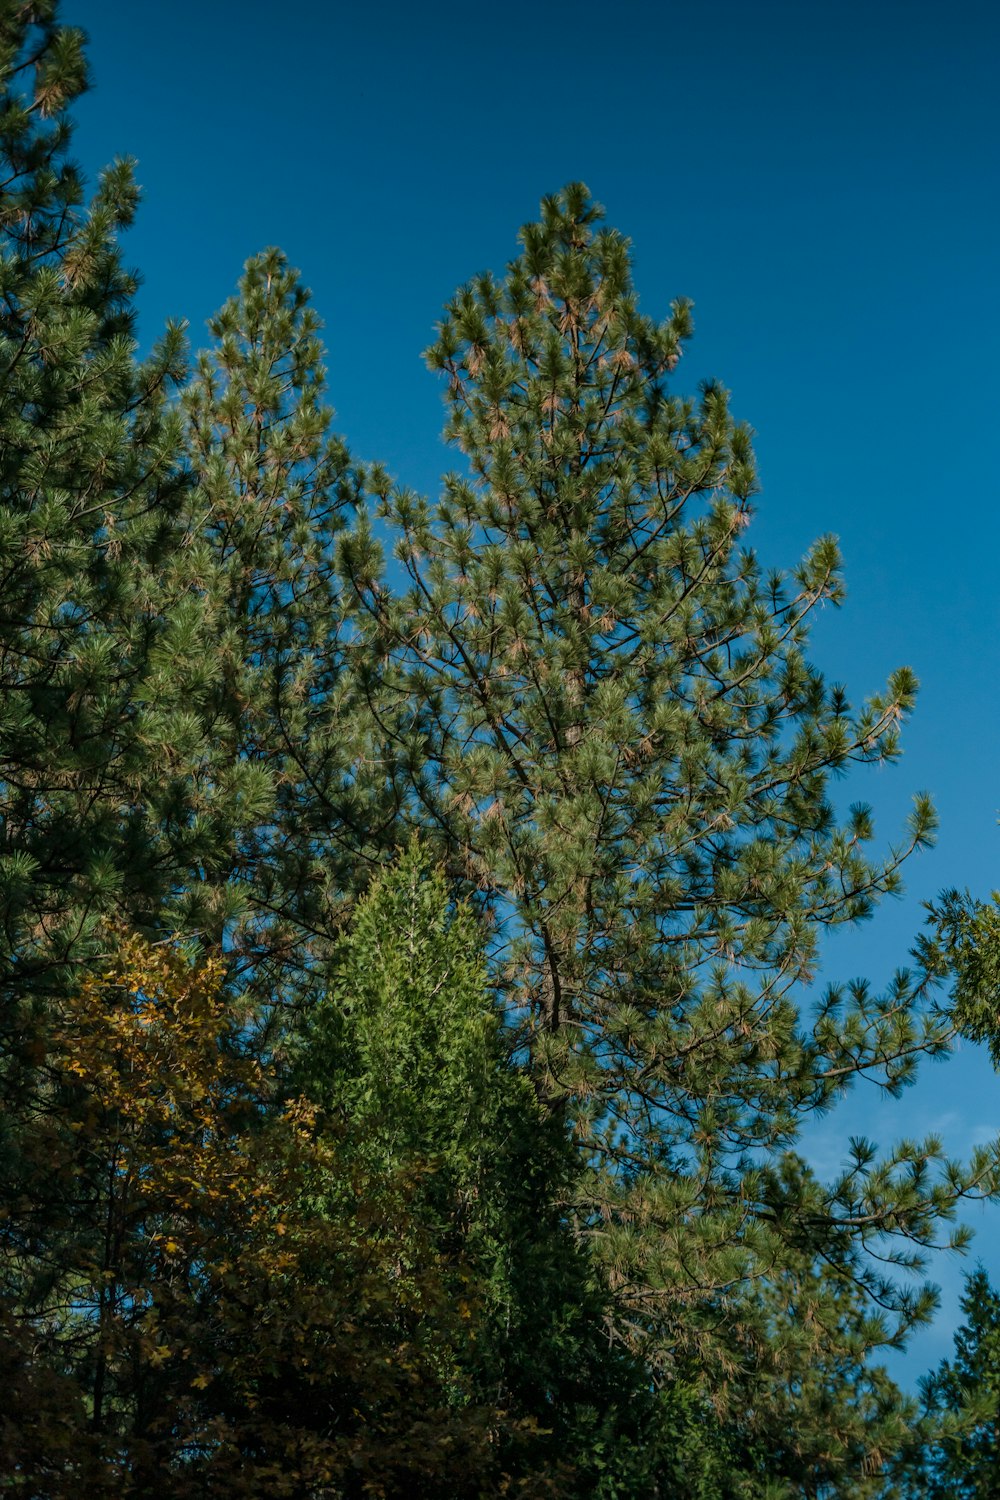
(955, 1450)
(606, 720)
(278, 766)
(89, 478)
(961, 1456)
(962, 942)
(597, 708)
(89, 484)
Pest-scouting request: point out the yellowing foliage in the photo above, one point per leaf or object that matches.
(174, 1305)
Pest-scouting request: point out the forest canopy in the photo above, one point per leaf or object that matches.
(411, 907)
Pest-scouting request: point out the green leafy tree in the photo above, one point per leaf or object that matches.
(605, 718)
(408, 1053)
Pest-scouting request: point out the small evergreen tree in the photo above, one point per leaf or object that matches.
(955, 1451)
(961, 1456)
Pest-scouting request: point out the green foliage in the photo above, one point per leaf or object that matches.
(542, 1228)
(613, 733)
(278, 766)
(88, 477)
(408, 1055)
(955, 1451)
(959, 1455)
(964, 940)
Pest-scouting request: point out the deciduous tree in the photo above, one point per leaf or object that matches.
(408, 1052)
(190, 1321)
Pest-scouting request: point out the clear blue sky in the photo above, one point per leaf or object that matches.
(822, 178)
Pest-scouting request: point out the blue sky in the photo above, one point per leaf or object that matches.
(820, 177)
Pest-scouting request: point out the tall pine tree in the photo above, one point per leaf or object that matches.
(280, 763)
(88, 458)
(605, 717)
(89, 486)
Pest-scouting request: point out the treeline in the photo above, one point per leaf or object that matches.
(409, 908)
